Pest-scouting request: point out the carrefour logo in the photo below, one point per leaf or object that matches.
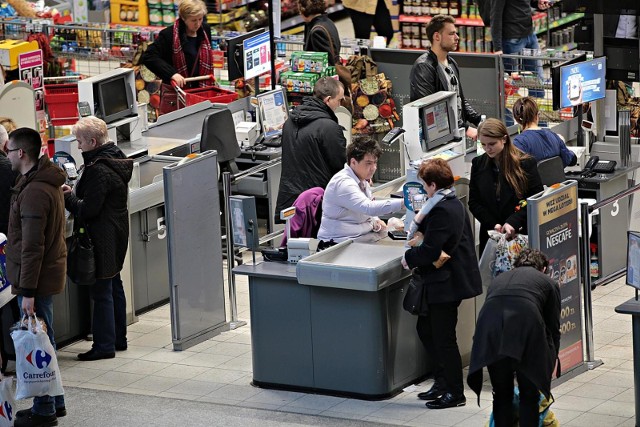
(6, 411)
(39, 358)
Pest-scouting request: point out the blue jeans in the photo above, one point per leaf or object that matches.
(45, 405)
(109, 315)
(515, 46)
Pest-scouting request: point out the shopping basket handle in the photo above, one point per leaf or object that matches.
(195, 79)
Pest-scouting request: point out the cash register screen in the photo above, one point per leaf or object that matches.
(273, 110)
(437, 125)
(633, 259)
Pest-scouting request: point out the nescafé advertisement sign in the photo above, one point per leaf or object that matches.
(553, 229)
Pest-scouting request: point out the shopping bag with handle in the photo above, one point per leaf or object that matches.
(36, 363)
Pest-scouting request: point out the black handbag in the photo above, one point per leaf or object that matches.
(81, 262)
(413, 299)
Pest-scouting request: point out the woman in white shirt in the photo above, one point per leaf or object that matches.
(348, 208)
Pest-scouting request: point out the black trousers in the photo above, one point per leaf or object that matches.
(437, 331)
(381, 21)
(501, 374)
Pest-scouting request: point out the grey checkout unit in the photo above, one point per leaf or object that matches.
(334, 323)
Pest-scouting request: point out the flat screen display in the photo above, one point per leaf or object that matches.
(114, 97)
(257, 55)
(274, 112)
(582, 82)
(633, 259)
(436, 125)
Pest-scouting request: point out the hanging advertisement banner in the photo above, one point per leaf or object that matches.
(552, 219)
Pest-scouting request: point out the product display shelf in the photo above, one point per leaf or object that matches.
(560, 22)
(421, 19)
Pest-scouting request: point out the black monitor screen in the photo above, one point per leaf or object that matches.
(437, 126)
(114, 97)
(555, 78)
(633, 259)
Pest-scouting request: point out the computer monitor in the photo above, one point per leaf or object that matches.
(582, 82)
(115, 99)
(439, 123)
(430, 122)
(218, 133)
(257, 55)
(235, 54)
(273, 111)
(623, 59)
(633, 259)
(555, 78)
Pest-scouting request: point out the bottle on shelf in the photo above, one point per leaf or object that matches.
(594, 268)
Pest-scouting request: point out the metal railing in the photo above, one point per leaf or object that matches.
(585, 210)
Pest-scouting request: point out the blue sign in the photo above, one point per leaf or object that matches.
(582, 82)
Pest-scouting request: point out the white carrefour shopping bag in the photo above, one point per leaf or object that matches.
(7, 402)
(37, 369)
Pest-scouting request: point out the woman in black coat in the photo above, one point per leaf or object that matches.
(518, 332)
(501, 180)
(446, 227)
(320, 33)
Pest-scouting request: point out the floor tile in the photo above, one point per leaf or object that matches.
(158, 384)
(206, 360)
(577, 403)
(143, 367)
(619, 409)
(235, 392)
(181, 371)
(116, 379)
(595, 390)
(195, 388)
(591, 419)
(275, 397)
(167, 356)
(221, 375)
(316, 401)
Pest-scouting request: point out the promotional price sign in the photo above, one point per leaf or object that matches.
(30, 67)
(552, 220)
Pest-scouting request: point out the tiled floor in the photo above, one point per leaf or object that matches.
(219, 371)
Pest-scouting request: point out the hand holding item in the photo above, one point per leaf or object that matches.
(417, 239)
(444, 257)
(404, 263)
(28, 305)
(178, 79)
(472, 133)
(379, 225)
(508, 231)
(498, 228)
(66, 189)
(544, 4)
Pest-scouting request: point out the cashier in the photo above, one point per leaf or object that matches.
(183, 49)
(348, 208)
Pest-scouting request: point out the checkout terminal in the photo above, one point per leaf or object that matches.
(334, 323)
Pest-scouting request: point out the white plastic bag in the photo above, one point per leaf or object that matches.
(37, 369)
(7, 402)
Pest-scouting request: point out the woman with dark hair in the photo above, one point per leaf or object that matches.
(183, 49)
(320, 33)
(446, 230)
(518, 334)
(501, 180)
(538, 142)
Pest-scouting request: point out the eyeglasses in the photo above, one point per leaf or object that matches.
(454, 79)
(9, 150)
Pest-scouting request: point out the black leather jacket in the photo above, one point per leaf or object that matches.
(427, 78)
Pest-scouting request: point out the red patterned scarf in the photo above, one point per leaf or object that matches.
(205, 59)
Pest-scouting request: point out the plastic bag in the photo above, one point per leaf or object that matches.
(507, 250)
(488, 260)
(547, 417)
(7, 402)
(36, 363)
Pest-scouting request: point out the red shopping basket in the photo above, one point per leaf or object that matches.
(61, 101)
(175, 98)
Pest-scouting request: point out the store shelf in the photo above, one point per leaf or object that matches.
(297, 20)
(565, 47)
(468, 22)
(238, 3)
(562, 21)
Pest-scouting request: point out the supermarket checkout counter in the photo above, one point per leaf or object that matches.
(334, 323)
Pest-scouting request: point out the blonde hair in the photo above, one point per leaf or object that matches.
(91, 127)
(510, 157)
(189, 8)
(4, 136)
(8, 124)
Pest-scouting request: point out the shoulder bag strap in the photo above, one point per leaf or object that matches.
(336, 58)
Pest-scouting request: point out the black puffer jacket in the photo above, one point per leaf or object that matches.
(313, 150)
(427, 78)
(99, 202)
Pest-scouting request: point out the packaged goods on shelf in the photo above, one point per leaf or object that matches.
(298, 82)
(309, 62)
(129, 12)
(10, 49)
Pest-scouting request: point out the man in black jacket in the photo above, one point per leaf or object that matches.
(435, 70)
(313, 143)
(98, 203)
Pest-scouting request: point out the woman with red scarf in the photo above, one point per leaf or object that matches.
(183, 49)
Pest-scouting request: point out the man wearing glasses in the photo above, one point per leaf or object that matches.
(36, 250)
(436, 71)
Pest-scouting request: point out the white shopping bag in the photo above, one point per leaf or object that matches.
(36, 363)
(7, 402)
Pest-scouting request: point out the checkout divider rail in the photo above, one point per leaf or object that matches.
(585, 210)
(227, 179)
